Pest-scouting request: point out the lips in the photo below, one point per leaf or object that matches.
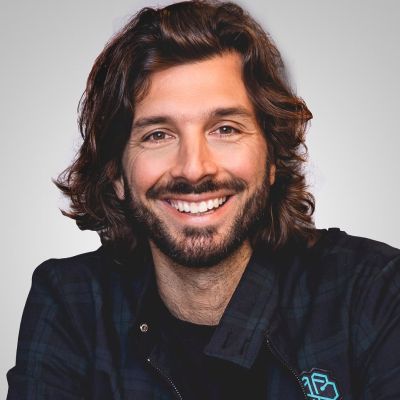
(197, 207)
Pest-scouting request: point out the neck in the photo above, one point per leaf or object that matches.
(199, 295)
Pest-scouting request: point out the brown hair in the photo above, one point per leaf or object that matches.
(159, 38)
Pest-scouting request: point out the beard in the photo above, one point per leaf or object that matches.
(199, 247)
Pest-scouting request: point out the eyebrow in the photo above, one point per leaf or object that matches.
(147, 121)
(232, 111)
(217, 113)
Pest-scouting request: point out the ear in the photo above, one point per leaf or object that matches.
(272, 172)
(119, 188)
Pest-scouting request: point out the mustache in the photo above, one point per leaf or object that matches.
(184, 187)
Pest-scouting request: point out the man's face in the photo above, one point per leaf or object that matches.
(195, 165)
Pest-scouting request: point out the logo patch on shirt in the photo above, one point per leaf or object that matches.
(319, 385)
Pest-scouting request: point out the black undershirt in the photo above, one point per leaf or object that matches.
(200, 377)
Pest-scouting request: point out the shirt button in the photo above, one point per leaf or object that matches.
(143, 328)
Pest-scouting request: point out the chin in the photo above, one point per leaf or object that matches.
(198, 248)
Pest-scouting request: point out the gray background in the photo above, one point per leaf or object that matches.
(344, 60)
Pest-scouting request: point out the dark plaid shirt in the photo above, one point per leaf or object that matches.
(329, 317)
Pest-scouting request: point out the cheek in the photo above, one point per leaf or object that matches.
(246, 161)
(144, 170)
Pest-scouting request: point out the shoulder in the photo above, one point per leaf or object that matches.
(372, 307)
(72, 286)
(58, 327)
(338, 263)
(86, 284)
(357, 277)
(80, 267)
(339, 240)
(83, 286)
(64, 280)
(357, 270)
(355, 255)
(367, 274)
(78, 273)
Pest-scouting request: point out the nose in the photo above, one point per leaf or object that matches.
(194, 159)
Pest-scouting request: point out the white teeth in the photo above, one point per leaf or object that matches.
(199, 207)
(203, 206)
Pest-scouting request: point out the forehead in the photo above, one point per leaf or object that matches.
(193, 90)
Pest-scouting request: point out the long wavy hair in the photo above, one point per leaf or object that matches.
(155, 39)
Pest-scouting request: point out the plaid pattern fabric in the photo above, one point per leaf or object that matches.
(329, 316)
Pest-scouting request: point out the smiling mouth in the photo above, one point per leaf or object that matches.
(200, 207)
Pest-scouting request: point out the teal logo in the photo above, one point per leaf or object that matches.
(319, 385)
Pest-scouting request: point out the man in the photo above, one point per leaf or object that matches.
(212, 281)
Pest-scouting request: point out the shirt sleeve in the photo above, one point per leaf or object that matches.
(51, 360)
(376, 338)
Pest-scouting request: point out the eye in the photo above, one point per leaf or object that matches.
(157, 136)
(227, 130)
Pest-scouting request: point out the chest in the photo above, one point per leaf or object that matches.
(170, 373)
